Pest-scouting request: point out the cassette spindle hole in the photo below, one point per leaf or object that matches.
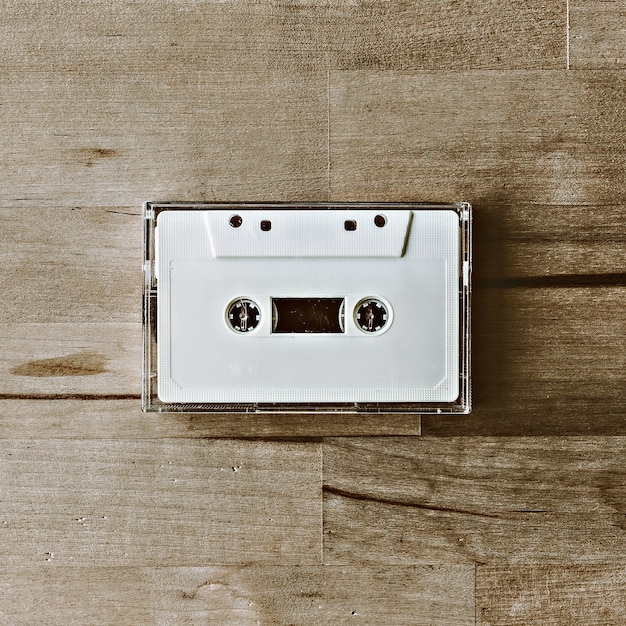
(235, 221)
(380, 220)
(243, 315)
(266, 225)
(371, 315)
(350, 224)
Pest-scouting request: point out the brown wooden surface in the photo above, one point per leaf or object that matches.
(511, 515)
(118, 36)
(538, 595)
(423, 595)
(474, 500)
(169, 501)
(597, 34)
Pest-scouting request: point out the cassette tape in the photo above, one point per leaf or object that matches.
(307, 307)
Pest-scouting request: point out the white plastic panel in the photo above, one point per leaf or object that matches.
(412, 263)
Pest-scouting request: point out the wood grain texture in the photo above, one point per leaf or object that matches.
(84, 380)
(497, 139)
(474, 500)
(548, 246)
(66, 359)
(111, 515)
(551, 595)
(241, 596)
(379, 35)
(597, 34)
(70, 264)
(160, 502)
(546, 361)
(71, 139)
(114, 36)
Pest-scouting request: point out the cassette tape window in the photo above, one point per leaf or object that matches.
(307, 307)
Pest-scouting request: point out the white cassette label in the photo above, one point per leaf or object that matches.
(308, 305)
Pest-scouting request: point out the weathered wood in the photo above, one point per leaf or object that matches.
(548, 246)
(545, 361)
(160, 502)
(69, 264)
(474, 500)
(72, 139)
(88, 262)
(105, 104)
(379, 35)
(70, 359)
(114, 36)
(550, 595)
(497, 139)
(300, 595)
(597, 34)
(106, 418)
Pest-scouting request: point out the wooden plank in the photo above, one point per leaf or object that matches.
(159, 502)
(545, 361)
(497, 139)
(493, 501)
(379, 35)
(107, 418)
(70, 359)
(87, 266)
(597, 34)
(114, 36)
(548, 246)
(84, 380)
(550, 595)
(256, 594)
(72, 139)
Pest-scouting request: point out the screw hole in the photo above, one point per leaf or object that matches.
(266, 225)
(350, 225)
(236, 221)
(380, 221)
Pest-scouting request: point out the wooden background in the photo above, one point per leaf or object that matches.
(515, 514)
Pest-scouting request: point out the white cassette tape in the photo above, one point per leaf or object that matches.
(333, 307)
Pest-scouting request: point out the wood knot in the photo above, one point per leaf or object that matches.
(79, 364)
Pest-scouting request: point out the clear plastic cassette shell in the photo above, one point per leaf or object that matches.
(345, 308)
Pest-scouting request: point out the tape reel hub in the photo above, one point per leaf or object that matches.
(243, 315)
(371, 315)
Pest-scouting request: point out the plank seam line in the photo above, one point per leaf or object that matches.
(322, 499)
(567, 37)
(68, 396)
(475, 594)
